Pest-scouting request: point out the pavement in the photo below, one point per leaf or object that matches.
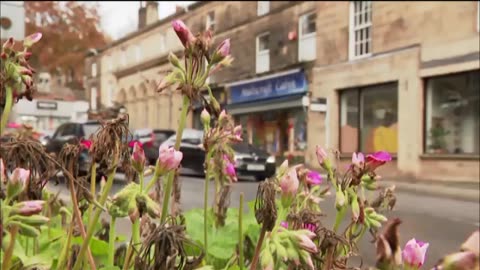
(431, 213)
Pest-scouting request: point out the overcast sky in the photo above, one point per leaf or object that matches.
(121, 18)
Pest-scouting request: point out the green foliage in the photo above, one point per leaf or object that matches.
(223, 241)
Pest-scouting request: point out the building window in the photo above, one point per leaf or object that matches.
(368, 119)
(452, 114)
(308, 37)
(94, 70)
(210, 24)
(360, 29)
(263, 53)
(93, 98)
(263, 7)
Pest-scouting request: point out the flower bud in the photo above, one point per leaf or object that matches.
(27, 55)
(289, 182)
(8, 45)
(153, 209)
(168, 159)
(25, 229)
(28, 208)
(414, 253)
(306, 243)
(205, 116)
(222, 51)
(465, 260)
(222, 117)
(3, 56)
(339, 198)
(32, 39)
(27, 80)
(138, 158)
(313, 178)
(17, 182)
(24, 71)
(215, 106)
(173, 59)
(34, 220)
(284, 224)
(183, 33)
(358, 159)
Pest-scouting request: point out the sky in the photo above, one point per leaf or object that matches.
(121, 18)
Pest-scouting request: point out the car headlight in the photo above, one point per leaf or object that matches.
(271, 159)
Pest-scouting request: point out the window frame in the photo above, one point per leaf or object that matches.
(300, 34)
(353, 28)
(210, 22)
(358, 91)
(262, 53)
(263, 8)
(424, 119)
(304, 38)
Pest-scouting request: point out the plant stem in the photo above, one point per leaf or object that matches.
(339, 217)
(240, 233)
(111, 243)
(7, 109)
(93, 184)
(96, 215)
(78, 215)
(171, 175)
(154, 178)
(253, 266)
(66, 247)
(8, 253)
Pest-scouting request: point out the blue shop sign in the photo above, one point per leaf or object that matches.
(293, 83)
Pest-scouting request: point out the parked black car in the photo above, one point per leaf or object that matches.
(70, 133)
(249, 160)
(151, 140)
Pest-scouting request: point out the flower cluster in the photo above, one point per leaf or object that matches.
(15, 68)
(199, 63)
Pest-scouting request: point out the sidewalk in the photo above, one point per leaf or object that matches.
(458, 191)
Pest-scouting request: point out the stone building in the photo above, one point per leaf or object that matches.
(403, 77)
(353, 76)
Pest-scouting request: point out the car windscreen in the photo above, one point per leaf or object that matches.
(162, 136)
(90, 129)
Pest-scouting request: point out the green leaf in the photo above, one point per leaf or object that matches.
(97, 246)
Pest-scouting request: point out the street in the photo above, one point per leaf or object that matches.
(444, 223)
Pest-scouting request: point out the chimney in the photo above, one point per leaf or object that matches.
(147, 14)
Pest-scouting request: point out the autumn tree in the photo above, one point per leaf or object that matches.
(69, 30)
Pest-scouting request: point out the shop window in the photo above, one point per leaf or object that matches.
(360, 43)
(452, 114)
(308, 37)
(300, 129)
(263, 53)
(368, 119)
(263, 7)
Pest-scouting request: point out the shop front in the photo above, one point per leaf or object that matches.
(272, 110)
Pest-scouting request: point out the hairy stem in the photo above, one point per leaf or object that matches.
(240, 233)
(93, 184)
(78, 215)
(253, 266)
(339, 217)
(96, 215)
(171, 175)
(205, 205)
(154, 178)
(66, 247)
(111, 242)
(7, 109)
(8, 253)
